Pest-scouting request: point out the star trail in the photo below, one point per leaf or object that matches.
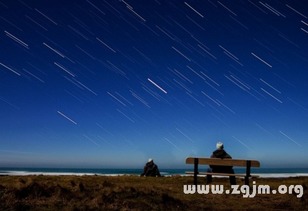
(92, 83)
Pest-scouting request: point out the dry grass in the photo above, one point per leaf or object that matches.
(135, 193)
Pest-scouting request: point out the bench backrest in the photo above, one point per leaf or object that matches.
(222, 162)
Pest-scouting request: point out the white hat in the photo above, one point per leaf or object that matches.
(219, 145)
(150, 160)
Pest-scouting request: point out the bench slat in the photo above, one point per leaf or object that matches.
(220, 174)
(222, 162)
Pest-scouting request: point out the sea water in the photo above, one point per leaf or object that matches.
(262, 172)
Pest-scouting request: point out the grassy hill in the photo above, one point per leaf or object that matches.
(137, 193)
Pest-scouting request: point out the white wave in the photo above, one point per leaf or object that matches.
(28, 173)
(282, 175)
(165, 174)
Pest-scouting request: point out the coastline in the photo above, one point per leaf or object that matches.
(37, 173)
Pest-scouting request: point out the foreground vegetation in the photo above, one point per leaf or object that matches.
(136, 193)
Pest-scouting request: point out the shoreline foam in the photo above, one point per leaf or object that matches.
(29, 173)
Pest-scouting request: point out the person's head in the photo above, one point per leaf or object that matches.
(219, 145)
(150, 160)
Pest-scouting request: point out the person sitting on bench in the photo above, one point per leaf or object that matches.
(220, 153)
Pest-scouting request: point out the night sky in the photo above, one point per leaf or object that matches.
(111, 83)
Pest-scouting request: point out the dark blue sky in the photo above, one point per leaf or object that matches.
(111, 83)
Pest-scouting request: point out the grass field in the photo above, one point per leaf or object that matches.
(137, 193)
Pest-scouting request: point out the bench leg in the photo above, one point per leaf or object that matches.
(196, 171)
(247, 180)
(248, 165)
(232, 180)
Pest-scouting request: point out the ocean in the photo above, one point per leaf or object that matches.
(262, 172)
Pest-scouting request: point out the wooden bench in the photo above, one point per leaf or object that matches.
(221, 162)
